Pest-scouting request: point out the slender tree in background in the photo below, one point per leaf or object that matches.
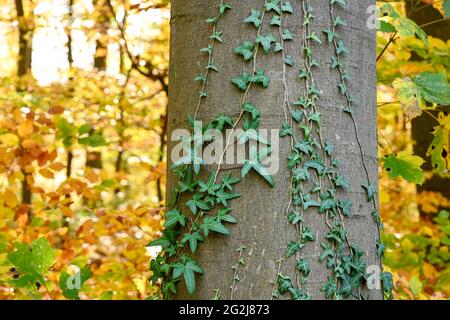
(262, 228)
(23, 69)
(70, 60)
(436, 26)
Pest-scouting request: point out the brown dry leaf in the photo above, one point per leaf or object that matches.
(57, 166)
(56, 110)
(91, 175)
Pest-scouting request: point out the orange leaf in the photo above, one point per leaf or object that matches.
(46, 173)
(91, 175)
(57, 166)
(25, 128)
(67, 211)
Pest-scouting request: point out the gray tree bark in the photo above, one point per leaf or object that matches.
(260, 211)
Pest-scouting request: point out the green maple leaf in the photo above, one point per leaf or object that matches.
(33, 260)
(439, 147)
(404, 165)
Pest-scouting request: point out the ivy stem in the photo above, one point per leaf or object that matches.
(210, 57)
(243, 100)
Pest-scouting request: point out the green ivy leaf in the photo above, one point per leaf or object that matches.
(287, 7)
(187, 267)
(273, 5)
(303, 266)
(174, 217)
(294, 217)
(342, 3)
(287, 35)
(213, 224)
(276, 21)
(255, 18)
(266, 41)
(370, 190)
(314, 37)
(197, 203)
(193, 239)
(228, 181)
(330, 35)
(251, 109)
(278, 47)
(292, 248)
(286, 130)
(346, 206)
(245, 50)
(242, 81)
(224, 7)
(223, 215)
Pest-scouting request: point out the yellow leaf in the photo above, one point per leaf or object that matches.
(9, 139)
(428, 270)
(10, 198)
(427, 231)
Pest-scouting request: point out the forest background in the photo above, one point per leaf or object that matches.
(83, 103)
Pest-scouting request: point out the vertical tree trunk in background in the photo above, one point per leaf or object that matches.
(70, 60)
(23, 68)
(425, 123)
(101, 43)
(94, 158)
(25, 41)
(262, 226)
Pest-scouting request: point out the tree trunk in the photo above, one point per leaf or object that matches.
(424, 124)
(260, 211)
(71, 90)
(23, 68)
(25, 41)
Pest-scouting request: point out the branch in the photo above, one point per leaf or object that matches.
(155, 76)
